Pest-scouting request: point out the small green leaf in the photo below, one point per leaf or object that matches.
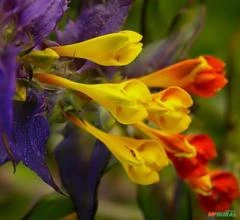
(151, 202)
(181, 207)
(52, 207)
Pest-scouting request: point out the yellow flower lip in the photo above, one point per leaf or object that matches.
(170, 107)
(114, 49)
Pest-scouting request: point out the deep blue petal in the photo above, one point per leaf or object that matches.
(30, 134)
(96, 20)
(3, 154)
(80, 174)
(33, 11)
(33, 17)
(8, 67)
(46, 22)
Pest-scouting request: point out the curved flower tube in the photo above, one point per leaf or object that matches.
(142, 159)
(114, 49)
(203, 76)
(126, 101)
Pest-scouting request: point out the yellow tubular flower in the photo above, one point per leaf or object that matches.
(126, 101)
(169, 109)
(177, 144)
(142, 159)
(114, 49)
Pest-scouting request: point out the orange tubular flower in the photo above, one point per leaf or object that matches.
(225, 190)
(202, 76)
(195, 166)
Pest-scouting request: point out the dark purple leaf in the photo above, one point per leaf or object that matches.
(80, 174)
(8, 67)
(30, 134)
(46, 22)
(36, 18)
(96, 20)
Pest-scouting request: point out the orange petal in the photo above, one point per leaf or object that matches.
(202, 76)
(172, 75)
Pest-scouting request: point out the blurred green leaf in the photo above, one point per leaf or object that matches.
(184, 29)
(51, 207)
(151, 202)
(233, 91)
(181, 208)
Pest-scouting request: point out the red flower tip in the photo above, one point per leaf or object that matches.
(205, 146)
(195, 166)
(210, 80)
(225, 190)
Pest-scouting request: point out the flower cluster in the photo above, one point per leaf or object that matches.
(32, 71)
(131, 103)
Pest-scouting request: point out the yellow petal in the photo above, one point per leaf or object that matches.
(172, 122)
(172, 115)
(114, 49)
(119, 147)
(126, 101)
(142, 175)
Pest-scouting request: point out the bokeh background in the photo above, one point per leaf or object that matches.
(215, 29)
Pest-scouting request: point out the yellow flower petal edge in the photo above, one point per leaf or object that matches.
(169, 109)
(142, 159)
(126, 101)
(114, 49)
(201, 185)
(177, 144)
